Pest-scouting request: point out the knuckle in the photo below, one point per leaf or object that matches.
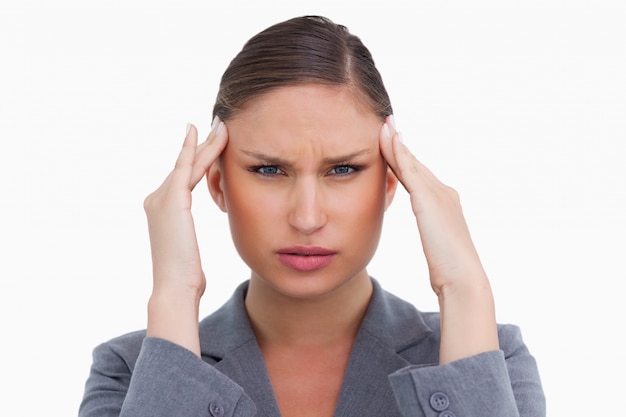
(452, 194)
(154, 200)
(148, 202)
(179, 164)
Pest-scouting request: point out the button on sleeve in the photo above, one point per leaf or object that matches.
(216, 409)
(439, 401)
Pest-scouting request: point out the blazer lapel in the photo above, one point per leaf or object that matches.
(246, 367)
(366, 390)
(228, 343)
(389, 327)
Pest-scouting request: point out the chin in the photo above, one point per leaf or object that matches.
(310, 286)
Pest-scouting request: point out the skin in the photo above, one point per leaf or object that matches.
(309, 157)
(310, 138)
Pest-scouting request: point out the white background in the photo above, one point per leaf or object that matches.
(518, 105)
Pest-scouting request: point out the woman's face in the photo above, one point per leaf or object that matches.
(305, 188)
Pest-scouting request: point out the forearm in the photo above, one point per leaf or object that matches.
(178, 280)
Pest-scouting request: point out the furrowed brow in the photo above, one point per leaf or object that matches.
(347, 157)
(273, 160)
(267, 159)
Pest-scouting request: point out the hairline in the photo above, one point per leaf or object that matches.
(358, 95)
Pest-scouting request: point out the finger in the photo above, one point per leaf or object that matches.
(186, 156)
(386, 147)
(215, 125)
(178, 178)
(208, 152)
(408, 169)
(397, 155)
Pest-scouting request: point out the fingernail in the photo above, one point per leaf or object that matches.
(392, 120)
(188, 128)
(400, 137)
(386, 131)
(215, 122)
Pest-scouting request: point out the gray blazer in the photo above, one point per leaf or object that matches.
(393, 371)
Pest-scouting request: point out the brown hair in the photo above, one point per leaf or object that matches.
(308, 49)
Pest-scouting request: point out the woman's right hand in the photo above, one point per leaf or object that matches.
(178, 279)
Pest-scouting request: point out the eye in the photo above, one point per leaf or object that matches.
(344, 170)
(267, 170)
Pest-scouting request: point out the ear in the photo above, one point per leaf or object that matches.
(215, 181)
(391, 186)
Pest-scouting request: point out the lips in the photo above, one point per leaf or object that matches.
(305, 258)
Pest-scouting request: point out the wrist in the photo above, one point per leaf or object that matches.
(173, 315)
(474, 290)
(166, 293)
(468, 322)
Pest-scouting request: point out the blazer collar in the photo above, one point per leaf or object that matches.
(390, 326)
(227, 342)
(393, 321)
(228, 328)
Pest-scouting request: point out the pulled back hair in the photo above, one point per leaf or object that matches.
(308, 49)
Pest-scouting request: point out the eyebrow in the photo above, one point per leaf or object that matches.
(273, 160)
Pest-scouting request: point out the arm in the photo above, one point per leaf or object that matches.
(472, 366)
(468, 323)
(165, 380)
(498, 383)
(163, 374)
(178, 279)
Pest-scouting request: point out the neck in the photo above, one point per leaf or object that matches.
(335, 317)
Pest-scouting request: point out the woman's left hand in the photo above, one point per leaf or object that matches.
(456, 273)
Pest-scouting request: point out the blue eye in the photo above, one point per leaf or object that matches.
(268, 170)
(343, 170)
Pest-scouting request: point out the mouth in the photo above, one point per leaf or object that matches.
(305, 258)
(306, 251)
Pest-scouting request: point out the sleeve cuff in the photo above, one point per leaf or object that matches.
(474, 386)
(170, 380)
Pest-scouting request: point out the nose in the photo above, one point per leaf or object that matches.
(307, 213)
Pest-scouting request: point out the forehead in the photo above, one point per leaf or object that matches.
(329, 117)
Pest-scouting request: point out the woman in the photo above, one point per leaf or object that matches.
(304, 157)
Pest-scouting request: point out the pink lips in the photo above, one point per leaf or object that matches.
(305, 258)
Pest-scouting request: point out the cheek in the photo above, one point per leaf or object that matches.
(363, 204)
(373, 190)
(251, 210)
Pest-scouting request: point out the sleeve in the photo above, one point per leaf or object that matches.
(492, 384)
(167, 380)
